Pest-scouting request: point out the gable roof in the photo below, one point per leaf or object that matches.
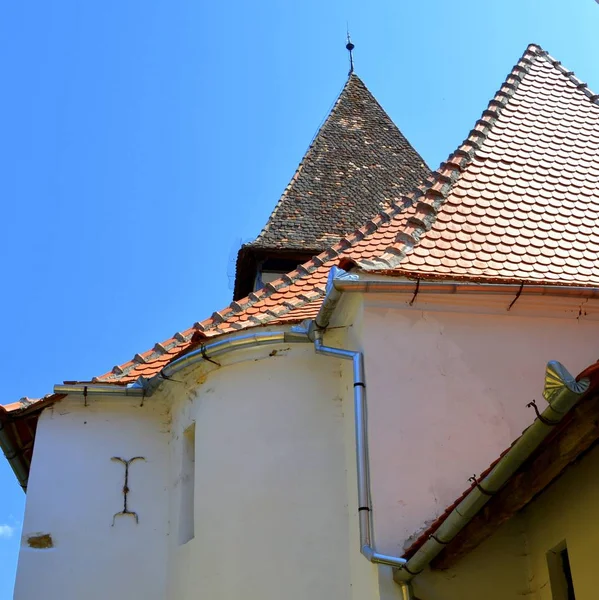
(519, 199)
(357, 164)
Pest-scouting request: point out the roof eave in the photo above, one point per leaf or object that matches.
(14, 446)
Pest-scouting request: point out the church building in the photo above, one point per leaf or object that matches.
(400, 402)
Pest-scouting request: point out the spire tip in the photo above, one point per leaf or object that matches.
(350, 47)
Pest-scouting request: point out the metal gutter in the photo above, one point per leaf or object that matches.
(99, 389)
(206, 352)
(218, 347)
(342, 283)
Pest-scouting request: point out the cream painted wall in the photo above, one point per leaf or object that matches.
(448, 383)
(275, 501)
(497, 570)
(513, 562)
(74, 491)
(271, 506)
(568, 510)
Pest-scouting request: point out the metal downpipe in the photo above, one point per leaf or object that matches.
(561, 391)
(405, 590)
(362, 464)
(331, 299)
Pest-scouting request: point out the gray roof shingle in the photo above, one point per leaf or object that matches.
(357, 164)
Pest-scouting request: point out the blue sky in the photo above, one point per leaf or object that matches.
(143, 141)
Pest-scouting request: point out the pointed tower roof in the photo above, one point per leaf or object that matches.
(357, 164)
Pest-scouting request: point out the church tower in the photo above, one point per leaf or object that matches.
(357, 164)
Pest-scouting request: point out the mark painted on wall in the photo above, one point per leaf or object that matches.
(40, 541)
(279, 352)
(126, 510)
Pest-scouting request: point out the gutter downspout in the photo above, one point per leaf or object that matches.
(367, 546)
(364, 507)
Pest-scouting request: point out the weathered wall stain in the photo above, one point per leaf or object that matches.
(40, 541)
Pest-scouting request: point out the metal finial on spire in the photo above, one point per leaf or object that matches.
(350, 47)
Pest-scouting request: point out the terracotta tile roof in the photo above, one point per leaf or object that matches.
(356, 165)
(450, 216)
(291, 299)
(519, 199)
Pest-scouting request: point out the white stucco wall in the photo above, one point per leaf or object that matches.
(274, 488)
(74, 490)
(448, 381)
(271, 507)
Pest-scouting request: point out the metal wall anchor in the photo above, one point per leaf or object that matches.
(125, 510)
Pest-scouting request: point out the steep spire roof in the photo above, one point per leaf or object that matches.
(356, 165)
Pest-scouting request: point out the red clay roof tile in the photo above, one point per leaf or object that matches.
(527, 187)
(516, 201)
